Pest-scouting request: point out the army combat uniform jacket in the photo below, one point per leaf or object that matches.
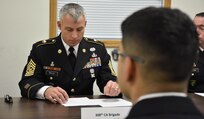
(48, 64)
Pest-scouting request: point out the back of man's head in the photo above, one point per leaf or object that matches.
(165, 38)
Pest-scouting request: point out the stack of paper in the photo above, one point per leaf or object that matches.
(107, 102)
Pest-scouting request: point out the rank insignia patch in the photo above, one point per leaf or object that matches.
(30, 68)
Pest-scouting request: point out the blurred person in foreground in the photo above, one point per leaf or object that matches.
(156, 57)
(68, 64)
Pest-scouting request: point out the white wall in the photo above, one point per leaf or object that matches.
(23, 22)
(190, 7)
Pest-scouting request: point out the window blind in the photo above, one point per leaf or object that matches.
(104, 17)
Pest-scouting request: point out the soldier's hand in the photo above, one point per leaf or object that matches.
(56, 95)
(111, 89)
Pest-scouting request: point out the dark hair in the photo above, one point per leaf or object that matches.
(165, 38)
(201, 14)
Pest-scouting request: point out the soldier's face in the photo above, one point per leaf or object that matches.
(72, 31)
(122, 74)
(199, 22)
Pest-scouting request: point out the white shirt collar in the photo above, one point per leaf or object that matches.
(155, 95)
(201, 49)
(67, 47)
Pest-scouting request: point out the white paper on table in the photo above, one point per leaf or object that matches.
(201, 94)
(81, 101)
(105, 102)
(111, 102)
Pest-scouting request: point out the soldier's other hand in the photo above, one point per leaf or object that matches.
(56, 95)
(112, 89)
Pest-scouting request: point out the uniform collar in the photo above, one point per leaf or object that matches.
(67, 47)
(156, 95)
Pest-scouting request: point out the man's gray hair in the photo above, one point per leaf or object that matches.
(72, 9)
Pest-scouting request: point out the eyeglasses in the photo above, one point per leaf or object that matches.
(115, 54)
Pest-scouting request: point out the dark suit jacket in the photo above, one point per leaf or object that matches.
(165, 108)
(48, 64)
